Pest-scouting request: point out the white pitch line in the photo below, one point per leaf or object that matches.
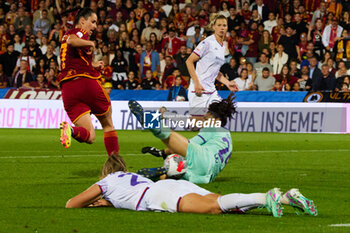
(240, 152)
(102, 155)
(56, 156)
(340, 225)
(291, 151)
(46, 151)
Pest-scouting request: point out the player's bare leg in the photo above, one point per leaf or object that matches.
(195, 203)
(168, 151)
(213, 196)
(84, 130)
(174, 141)
(216, 204)
(106, 121)
(110, 135)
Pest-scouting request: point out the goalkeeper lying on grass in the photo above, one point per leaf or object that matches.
(206, 154)
(127, 190)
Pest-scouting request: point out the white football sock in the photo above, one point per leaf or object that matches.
(241, 201)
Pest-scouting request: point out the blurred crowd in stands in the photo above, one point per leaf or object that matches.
(285, 45)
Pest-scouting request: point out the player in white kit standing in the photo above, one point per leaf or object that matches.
(127, 190)
(210, 56)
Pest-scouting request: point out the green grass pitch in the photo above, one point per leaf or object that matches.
(38, 176)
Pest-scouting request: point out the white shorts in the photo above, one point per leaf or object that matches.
(199, 104)
(165, 195)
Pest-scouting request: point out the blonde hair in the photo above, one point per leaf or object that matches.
(212, 20)
(113, 164)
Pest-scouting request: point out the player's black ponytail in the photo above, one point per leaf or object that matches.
(85, 12)
(224, 110)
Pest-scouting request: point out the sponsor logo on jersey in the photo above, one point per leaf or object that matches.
(79, 34)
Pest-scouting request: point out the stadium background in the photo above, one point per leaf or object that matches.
(38, 175)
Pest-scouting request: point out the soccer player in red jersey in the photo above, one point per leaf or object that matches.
(82, 92)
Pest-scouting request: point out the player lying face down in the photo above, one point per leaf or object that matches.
(126, 190)
(206, 154)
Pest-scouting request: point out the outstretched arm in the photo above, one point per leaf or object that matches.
(85, 198)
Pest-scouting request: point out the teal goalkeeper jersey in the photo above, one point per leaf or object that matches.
(215, 148)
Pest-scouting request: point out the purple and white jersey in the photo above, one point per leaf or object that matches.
(211, 57)
(124, 190)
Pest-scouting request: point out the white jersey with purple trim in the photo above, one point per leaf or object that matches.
(211, 57)
(135, 192)
(124, 190)
(199, 104)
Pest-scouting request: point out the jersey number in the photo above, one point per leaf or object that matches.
(63, 55)
(224, 151)
(133, 180)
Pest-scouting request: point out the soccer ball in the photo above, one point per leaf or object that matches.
(175, 166)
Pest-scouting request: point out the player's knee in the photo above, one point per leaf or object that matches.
(91, 138)
(214, 208)
(108, 128)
